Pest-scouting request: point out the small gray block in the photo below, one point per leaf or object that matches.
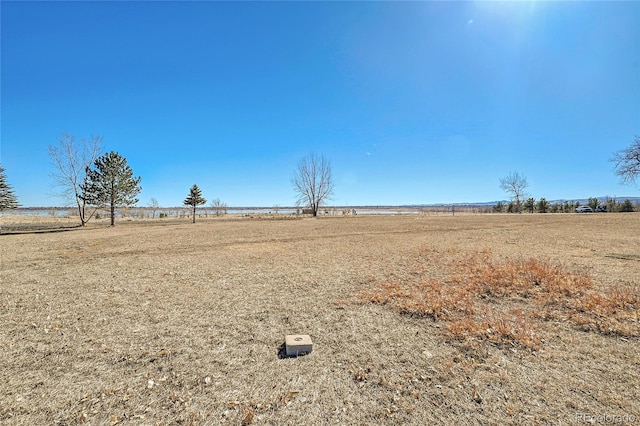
(298, 344)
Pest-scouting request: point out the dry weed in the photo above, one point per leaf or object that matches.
(477, 282)
(613, 311)
(425, 297)
(502, 328)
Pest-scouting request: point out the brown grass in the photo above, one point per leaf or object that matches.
(521, 319)
(474, 293)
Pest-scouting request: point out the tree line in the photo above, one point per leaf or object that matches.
(531, 205)
(515, 185)
(626, 166)
(91, 180)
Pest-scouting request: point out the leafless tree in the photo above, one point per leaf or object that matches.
(312, 182)
(627, 162)
(219, 207)
(515, 185)
(154, 206)
(71, 160)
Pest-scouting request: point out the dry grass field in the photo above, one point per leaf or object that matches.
(466, 319)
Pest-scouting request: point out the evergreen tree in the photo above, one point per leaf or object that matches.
(111, 183)
(8, 199)
(543, 205)
(194, 199)
(627, 206)
(530, 204)
(593, 203)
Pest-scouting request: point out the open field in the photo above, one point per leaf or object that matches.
(180, 323)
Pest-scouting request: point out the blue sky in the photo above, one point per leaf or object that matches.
(412, 102)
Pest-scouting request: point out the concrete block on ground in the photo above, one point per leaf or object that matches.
(298, 344)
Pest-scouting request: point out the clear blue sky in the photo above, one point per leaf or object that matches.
(413, 102)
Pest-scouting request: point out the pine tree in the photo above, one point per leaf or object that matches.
(111, 183)
(627, 206)
(194, 199)
(8, 199)
(543, 205)
(530, 204)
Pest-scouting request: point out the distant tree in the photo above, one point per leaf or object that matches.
(219, 207)
(530, 205)
(593, 203)
(71, 160)
(312, 182)
(154, 206)
(543, 205)
(124, 212)
(499, 207)
(627, 162)
(111, 183)
(8, 199)
(194, 199)
(515, 185)
(626, 207)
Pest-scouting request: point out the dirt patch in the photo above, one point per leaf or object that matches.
(182, 324)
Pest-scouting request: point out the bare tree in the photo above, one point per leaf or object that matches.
(154, 206)
(515, 185)
(71, 160)
(219, 207)
(627, 162)
(312, 182)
